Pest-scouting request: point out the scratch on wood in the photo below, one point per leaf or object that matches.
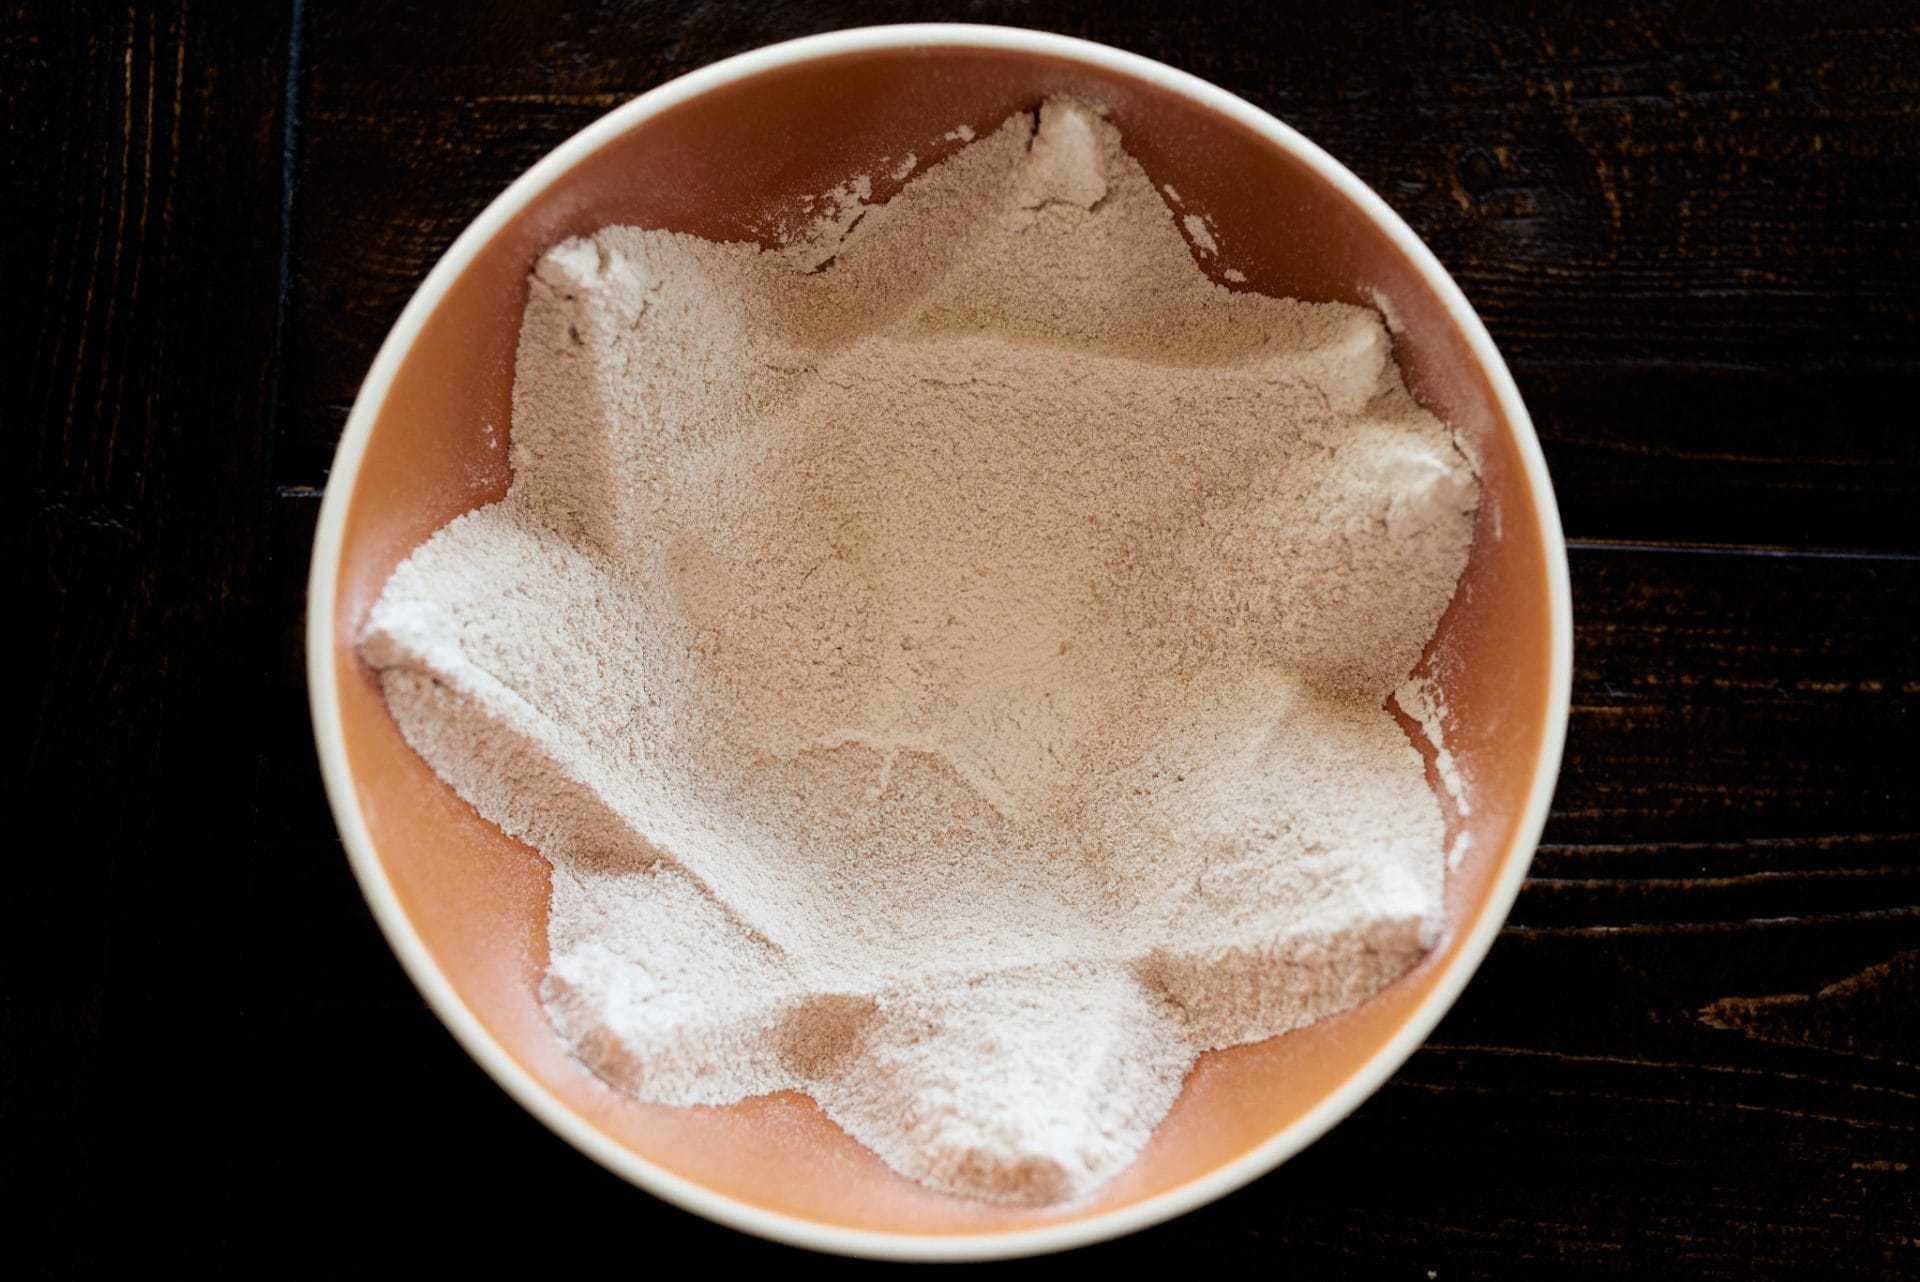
(146, 165)
(119, 245)
(554, 99)
(1661, 1065)
(179, 34)
(86, 311)
(1866, 1014)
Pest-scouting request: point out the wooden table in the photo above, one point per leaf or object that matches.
(1692, 1052)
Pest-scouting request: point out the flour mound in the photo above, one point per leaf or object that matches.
(947, 674)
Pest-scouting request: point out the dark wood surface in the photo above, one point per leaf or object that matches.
(1694, 1050)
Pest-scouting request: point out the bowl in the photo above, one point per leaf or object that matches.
(726, 153)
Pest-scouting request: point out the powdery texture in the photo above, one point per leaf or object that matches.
(950, 682)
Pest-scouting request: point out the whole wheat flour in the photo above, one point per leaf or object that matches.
(949, 681)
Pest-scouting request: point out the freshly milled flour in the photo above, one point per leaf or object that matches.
(950, 680)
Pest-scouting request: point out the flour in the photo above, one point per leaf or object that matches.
(946, 665)
(809, 248)
(1420, 699)
(1202, 237)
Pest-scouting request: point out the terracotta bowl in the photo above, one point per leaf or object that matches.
(727, 153)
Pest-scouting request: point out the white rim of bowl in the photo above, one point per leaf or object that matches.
(322, 593)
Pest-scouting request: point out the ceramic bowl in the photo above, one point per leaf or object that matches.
(726, 153)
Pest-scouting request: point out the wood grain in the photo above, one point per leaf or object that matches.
(144, 185)
(1692, 1051)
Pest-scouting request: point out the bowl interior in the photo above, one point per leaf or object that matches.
(735, 163)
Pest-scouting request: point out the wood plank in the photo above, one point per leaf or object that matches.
(1689, 454)
(1723, 697)
(144, 187)
(1690, 235)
